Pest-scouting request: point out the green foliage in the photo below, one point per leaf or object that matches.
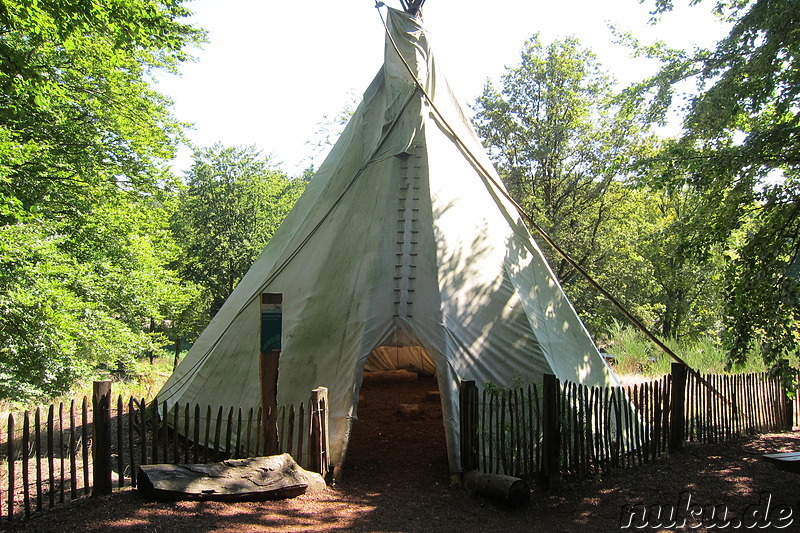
(562, 143)
(85, 251)
(568, 148)
(740, 149)
(77, 116)
(233, 202)
(74, 298)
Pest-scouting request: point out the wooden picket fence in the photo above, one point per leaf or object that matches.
(61, 453)
(566, 430)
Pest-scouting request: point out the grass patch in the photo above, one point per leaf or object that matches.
(143, 380)
(634, 353)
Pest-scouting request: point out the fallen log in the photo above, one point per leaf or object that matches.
(507, 489)
(260, 478)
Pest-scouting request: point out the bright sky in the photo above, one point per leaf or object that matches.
(272, 70)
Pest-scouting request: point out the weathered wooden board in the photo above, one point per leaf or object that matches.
(260, 478)
(785, 461)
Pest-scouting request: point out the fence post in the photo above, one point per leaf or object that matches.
(551, 433)
(467, 399)
(786, 387)
(101, 443)
(318, 451)
(678, 401)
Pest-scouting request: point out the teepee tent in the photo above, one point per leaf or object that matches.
(401, 253)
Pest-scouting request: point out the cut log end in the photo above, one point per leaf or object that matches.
(507, 489)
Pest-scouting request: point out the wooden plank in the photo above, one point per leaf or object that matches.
(239, 433)
(577, 428)
(644, 393)
(51, 456)
(691, 399)
(489, 435)
(248, 449)
(131, 447)
(229, 433)
(154, 428)
(26, 495)
(142, 433)
(85, 444)
(282, 434)
(120, 443)
(533, 438)
(176, 414)
(163, 432)
(217, 434)
(101, 438)
(12, 474)
(615, 400)
(482, 457)
(597, 429)
(319, 436)
(522, 432)
(208, 429)
(196, 434)
(290, 440)
(37, 435)
(630, 421)
(605, 409)
(789, 462)
(501, 431)
(61, 448)
(186, 432)
(550, 431)
(259, 432)
(301, 430)
(657, 407)
(677, 403)
(73, 451)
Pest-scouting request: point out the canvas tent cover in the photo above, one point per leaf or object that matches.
(402, 244)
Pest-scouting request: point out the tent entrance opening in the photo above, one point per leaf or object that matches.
(399, 433)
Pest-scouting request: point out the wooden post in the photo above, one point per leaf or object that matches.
(677, 416)
(268, 378)
(12, 461)
(101, 443)
(551, 437)
(786, 386)
(468, 398)
(318, 440)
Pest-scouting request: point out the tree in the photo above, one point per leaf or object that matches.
(562, 143)
(233, 202)
(741, 147)
(75, 299)
(85, 251)
(76, 112)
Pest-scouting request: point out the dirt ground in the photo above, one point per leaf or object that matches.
(396, 480)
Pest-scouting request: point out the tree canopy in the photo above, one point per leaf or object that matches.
(233, 202)
(740, 147)
(84, 146)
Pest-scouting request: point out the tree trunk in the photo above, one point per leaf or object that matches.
(178, 347)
